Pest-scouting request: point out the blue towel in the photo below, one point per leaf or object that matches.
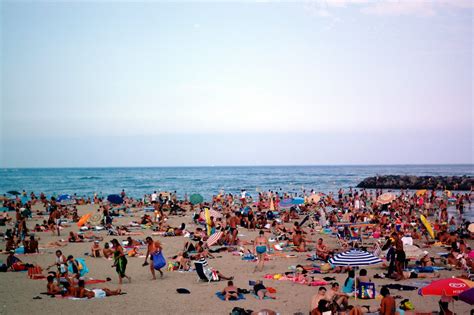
(222, 296)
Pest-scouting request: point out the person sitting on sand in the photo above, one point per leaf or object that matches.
(208, 271)
(321, 295)
(60, 262)
(183, 261)
(95, 249)
(82, 292)
(53, 288)
(230, 292)
(31, 247)
(338, 298)
(322, 250)
(261, 291)
(299, 241)
(387, 305)
(107, 251)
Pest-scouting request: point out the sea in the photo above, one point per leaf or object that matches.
(207, 181)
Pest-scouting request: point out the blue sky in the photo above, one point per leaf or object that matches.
(321, 82)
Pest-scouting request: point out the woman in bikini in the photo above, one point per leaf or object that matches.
(260, 248)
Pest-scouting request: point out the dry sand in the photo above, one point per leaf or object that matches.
(160, 296)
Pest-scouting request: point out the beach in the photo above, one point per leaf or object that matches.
(159, 296)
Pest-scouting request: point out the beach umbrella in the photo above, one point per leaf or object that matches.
(95, 219)
(286, 203)
(64, 198)
(421, 192)
(314, 198)
(195, 199)
(13, 192)
(355, 258)
(446, 287)
(115, 199)
(212, 213)
(83, 220)
(297, 201)
(214, 238)
(386, 198)
(471, 228)
(467, 296)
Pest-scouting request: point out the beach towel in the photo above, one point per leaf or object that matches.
(222, 296)
(82, 267)
(159, 260)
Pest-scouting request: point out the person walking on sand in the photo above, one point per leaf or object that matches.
(260, 248)
(152, 247)
(120, 261)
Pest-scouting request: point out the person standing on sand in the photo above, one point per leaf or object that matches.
(120, 261)
(152, 247)
(233, 222)
(260, 248)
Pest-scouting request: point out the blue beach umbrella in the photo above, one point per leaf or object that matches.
(64, 198)
(115, 199)
(297, 201)
(286, 203)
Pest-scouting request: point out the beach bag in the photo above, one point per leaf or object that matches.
(159, 260)
(366, 291)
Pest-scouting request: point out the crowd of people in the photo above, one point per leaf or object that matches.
(289, 222)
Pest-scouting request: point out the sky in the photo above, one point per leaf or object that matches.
(103, 83)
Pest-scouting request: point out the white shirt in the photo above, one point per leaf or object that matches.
(153, 197)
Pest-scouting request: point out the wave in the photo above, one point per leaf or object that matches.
(89, 177)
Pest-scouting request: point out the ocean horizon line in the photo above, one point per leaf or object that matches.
(236, 166)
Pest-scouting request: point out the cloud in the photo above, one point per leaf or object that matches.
(423, 8)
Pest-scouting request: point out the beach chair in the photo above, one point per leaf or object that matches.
(204, 272)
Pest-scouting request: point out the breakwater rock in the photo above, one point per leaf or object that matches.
(418, 182)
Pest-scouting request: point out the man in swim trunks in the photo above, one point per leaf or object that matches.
(233, 222)
(151, 248)
(260, 248)
(81, 291)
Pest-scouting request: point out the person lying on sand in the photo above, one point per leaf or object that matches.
(261, 291)
(230, 292)
(81, 292)
(415, 275)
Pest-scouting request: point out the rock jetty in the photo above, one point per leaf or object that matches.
(418, 182)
